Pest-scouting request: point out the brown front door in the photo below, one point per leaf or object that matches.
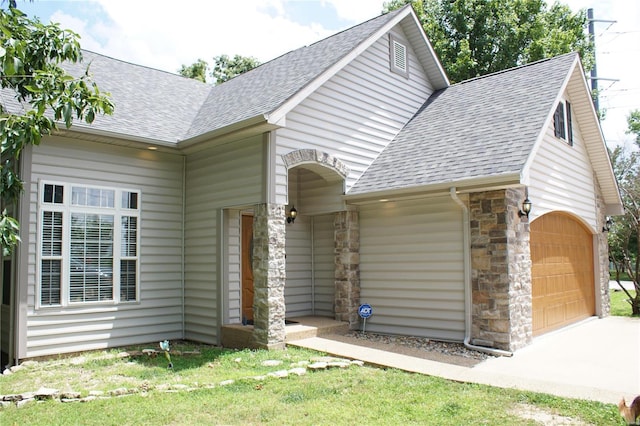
(562, 272)
(247, 268)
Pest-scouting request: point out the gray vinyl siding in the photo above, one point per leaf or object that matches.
(158, 314)
(309, 288)
(297, 290)
(217, 178)
(355, 114)
(412, 269)
(561, 177)
(323, 265)
(310, 193)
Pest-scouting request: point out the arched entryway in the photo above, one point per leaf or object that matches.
(562, 272)
(322, 243)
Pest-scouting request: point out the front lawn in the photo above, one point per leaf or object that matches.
(218, 386)
(620, 307)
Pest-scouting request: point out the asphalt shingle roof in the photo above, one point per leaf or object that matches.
(149, 103)
(265, 88)
(482, 127)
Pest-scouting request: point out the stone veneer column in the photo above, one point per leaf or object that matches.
(347, 267)
(269, 269)
(501, 270)
(602, 245)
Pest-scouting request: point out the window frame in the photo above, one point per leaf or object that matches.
(565, 132)
(118, 212)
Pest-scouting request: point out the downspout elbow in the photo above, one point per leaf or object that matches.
(467, 281)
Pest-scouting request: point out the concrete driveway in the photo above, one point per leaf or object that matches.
(596, 359)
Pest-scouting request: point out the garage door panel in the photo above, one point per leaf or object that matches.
(554, 315)
(562, 272)
(539, 285)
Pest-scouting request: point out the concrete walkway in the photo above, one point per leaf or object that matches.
(597, 359)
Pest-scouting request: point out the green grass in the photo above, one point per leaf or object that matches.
(620, 307)
(356, 395)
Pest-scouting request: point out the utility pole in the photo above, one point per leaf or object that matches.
(594, 70)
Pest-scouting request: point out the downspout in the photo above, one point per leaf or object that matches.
(182, 260)
(313, 268)
(466, 238)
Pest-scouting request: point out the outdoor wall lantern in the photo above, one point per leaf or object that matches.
(293, 213)
(608, 223)
(526, 208)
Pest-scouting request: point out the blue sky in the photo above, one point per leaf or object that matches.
(165, 34)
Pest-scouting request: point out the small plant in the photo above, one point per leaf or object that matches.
(164, 345)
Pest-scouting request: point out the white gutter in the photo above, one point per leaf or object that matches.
(313, 268)
(466, 238)
(502, 181)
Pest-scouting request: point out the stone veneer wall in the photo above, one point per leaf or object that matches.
(269, 270)
(602, 251)
(347, 267)
(501, 270)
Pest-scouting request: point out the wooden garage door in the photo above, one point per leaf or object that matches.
(562, 272)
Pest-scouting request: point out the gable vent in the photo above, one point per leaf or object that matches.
(398, 57)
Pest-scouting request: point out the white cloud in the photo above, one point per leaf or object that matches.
(166, 34)
(357, 10)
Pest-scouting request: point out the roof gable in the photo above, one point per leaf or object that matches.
(579, 92)
(274, 88)
(477, 130)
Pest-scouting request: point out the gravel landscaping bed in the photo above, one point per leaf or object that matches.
(453, 353)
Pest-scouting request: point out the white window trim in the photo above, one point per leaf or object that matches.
(394, 44)
(67, 208)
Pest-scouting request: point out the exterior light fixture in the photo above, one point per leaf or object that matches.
(608, 223)
(526, 208)
(293, 213)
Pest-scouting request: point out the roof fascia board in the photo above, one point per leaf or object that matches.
(279, 113)
(231, 129)
(613, 209)
(600, 143)
(443, 75)
(217, 138)
(116, 138)
(486, 183)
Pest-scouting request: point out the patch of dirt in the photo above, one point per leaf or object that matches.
(446, 352)
(543, 417)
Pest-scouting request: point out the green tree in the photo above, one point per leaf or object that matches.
(478, 37)
(37, 94)
(197, 70)
(225, 68)
(633, 120)
(625, 234)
